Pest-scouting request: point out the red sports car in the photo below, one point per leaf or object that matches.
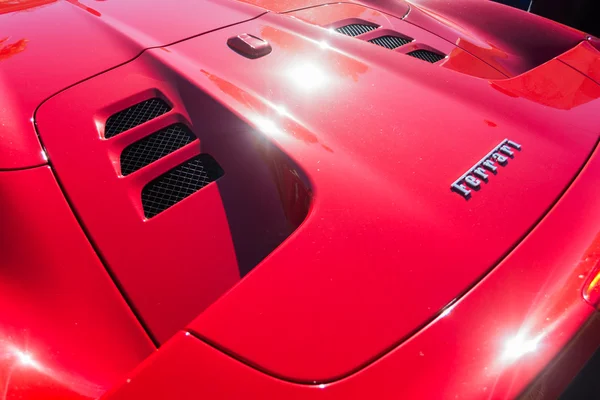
(296, 199)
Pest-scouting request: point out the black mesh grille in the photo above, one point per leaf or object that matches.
(134, 116)
(391, 42)
(179, 183)
(426, 55)
(155, 146)
(355, 29)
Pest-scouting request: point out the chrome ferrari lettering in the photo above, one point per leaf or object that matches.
(475, 175)
(461, 189)
(473, 182)
(480, 173)
(490, 166)
(513, 145)
(500, 159)
(506, 150)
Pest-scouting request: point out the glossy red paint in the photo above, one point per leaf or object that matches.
(338, 158)
(504, 37)
(171, 286)
(175, 264)
(66, 332)
(533, 296)
(281, 6)
(299, 321)
(338, 15)
(585, 58)
(591, 288)
(76, 40)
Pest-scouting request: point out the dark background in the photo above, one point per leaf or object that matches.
(581, 14)
(587, 384)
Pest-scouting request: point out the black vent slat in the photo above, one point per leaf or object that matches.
(154, 147)
(134, 116)
(391, 42)
(179, 183)
(355, 29)
(426, 55)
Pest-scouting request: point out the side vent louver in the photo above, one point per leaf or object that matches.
(426, 55)
(134, 116)
(391, 42)
(355, 29)
(154, 147)
(179, 183)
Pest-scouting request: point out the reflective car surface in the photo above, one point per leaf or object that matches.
(296, 199)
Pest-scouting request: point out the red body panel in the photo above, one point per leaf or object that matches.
(336, 15)
(46, 46)
(359, 291)
(506, 38)
(316, 309)
(534, 294)
(584, 58)
(332, 258)
(176, 264)
(66, 332)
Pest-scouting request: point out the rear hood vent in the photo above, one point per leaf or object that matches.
(373, 33)
(154, 147)
(178, 196)
(426, 55)
(179, 183)
(391, 42)
(355, 29)
(134, 116)
(366, 25)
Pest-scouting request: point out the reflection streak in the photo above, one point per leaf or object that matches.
(24, 362)
(520, 345)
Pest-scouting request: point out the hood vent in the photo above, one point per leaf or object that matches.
(426, 55)
(355, 29)
(134, 116)
(179, 183)
(390, 42)
(154, 147)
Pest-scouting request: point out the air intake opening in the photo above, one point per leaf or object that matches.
(134, 116)
(426, 55)
(154, 147)
(355, 29)
(390, 42)
(179, 183)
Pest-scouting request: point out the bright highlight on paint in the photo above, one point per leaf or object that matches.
(307, 76)
(25, 359)
(518, 346)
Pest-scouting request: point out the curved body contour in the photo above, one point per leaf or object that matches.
(388, 194)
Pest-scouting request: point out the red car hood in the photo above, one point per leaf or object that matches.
(339, 157)
(48, 45)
